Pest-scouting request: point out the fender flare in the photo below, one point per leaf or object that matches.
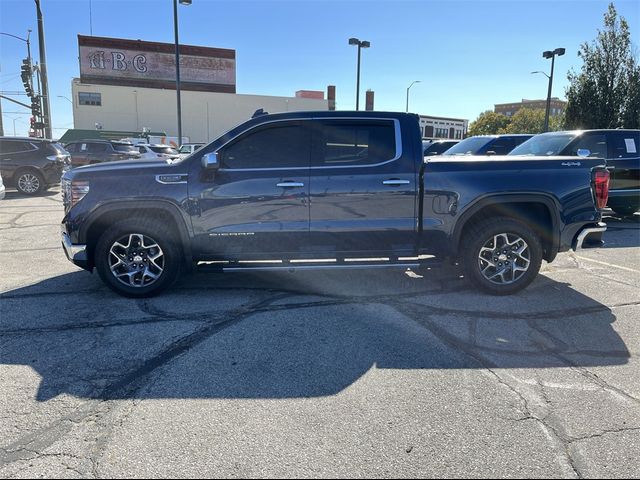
(184, 232)
(550, 202)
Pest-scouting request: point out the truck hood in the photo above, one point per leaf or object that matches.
(121, 165)
(131, 167)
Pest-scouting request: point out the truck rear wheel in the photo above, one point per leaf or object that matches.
(137, 258)
(501, 256)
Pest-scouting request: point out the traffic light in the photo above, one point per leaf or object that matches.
(36, 109)
(25, 74)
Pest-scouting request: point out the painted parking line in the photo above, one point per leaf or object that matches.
(608, 264)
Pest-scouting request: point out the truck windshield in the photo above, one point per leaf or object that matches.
(546, 144)
(468, 146)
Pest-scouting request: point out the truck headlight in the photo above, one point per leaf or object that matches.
(78, 191)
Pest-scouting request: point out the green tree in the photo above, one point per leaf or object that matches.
(488, 123)
(606, 92)
(531, 120)
(526, 120)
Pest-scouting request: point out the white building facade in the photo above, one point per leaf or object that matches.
(205, 115)
(443, 127)
(130, 85)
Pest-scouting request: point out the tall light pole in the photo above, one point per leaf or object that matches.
(46, 109)
(361, 44)
(552, 55)
(175, 26)
(415, 81)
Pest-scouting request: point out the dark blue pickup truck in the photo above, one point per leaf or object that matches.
(328, 190)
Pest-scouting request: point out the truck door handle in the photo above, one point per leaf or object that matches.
(395, 182)
(290, 184)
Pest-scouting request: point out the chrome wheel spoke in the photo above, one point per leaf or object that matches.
(504, 258)
(136, 260)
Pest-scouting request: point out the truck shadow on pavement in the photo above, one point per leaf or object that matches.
(290, 335)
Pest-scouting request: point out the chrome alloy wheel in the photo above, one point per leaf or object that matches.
(504, 258)
(28, 183)
(136, 260)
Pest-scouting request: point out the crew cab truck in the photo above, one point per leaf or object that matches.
(328, 189)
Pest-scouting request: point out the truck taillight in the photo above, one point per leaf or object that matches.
(601, 187)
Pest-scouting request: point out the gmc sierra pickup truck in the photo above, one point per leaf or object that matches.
(328, 190)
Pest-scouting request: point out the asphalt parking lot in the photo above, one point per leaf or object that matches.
(316, 374)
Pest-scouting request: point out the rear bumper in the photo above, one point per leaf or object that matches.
(77, 253)
(590, 236)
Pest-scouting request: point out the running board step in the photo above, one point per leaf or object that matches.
(292, 267)
(302, 266)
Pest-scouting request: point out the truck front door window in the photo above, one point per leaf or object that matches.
(268, 147)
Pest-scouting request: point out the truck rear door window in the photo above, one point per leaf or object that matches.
(354, 144)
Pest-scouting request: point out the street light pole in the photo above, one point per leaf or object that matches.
(26, 40)
(415, 81)
(175, 26)
(552, 55)
(360, 44)
(46, 110)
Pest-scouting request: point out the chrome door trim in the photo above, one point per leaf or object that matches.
(290, 184)
(396, 182)
(398, 137)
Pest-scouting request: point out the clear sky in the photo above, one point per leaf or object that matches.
(468, 54)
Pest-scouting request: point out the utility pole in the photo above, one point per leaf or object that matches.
(1, 126)
(46, 111)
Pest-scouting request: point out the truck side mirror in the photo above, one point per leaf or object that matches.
(210, 161)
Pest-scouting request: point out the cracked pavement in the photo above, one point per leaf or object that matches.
(316, 374)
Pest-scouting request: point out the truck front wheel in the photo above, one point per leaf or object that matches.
(137, 258)
(501, 256)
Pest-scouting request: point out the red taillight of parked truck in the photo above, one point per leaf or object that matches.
(601, 187)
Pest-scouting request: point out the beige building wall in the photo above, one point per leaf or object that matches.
(205, 115)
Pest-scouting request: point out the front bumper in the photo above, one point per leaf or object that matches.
(75, 253)
(590, 236)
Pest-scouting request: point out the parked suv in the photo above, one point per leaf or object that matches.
(31, 164)
(488, 144)
(620, 148)
(157, 151)
(87, 152)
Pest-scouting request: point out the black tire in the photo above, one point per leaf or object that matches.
(128, 282)
(624, 210)
(29, 182)
(480, 251)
